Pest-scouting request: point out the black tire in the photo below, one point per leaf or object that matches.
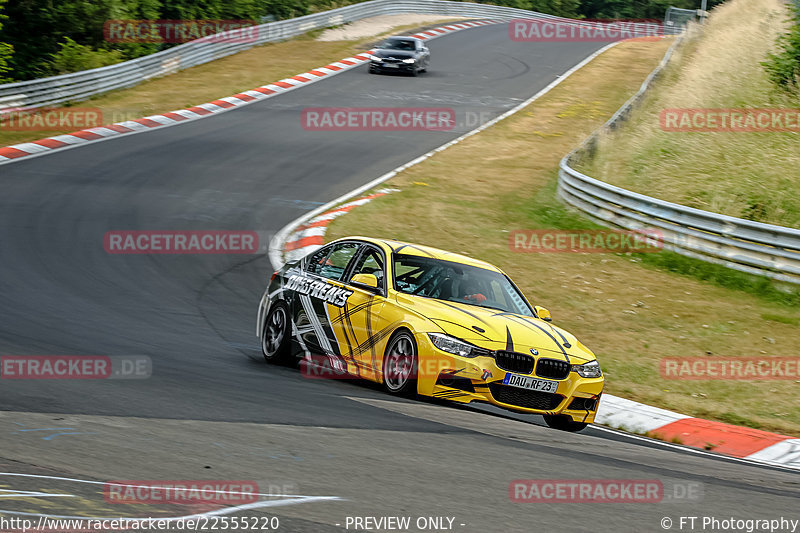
(276, 334)
(564, 423)
(414, 72)
(400, 363)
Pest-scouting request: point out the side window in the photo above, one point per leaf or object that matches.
(334, 264)
(316, 261)
(371, 262)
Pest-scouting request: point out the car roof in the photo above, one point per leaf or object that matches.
(420, 250)
(408, 37)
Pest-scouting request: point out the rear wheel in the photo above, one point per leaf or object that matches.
(400, 364)
(275, 337)
(564, 423)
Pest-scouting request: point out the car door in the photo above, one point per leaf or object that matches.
(360, 328)
(319, 294)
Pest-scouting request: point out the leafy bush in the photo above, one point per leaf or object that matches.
(73, 57)
(784, 67)
(6, 50)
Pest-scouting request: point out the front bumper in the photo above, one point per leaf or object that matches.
(465, 380)
(392, 67)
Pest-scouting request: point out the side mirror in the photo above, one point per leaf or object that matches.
(368, 282)
(543, 313)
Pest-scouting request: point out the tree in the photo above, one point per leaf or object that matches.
(6, 50)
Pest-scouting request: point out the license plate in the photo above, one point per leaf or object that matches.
(527, 382)
(391, 65)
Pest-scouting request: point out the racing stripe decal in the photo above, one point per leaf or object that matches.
(479, 319)
(368, 325)
(377, 337)
(537, 326)
(313, 318)
(397, 251)
(470, 330)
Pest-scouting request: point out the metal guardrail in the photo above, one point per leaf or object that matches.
(744, 245)
(82, 85)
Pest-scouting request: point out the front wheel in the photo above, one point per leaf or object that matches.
(400, 364)
(275, 337)
(564, 423)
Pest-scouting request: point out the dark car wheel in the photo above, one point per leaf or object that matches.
(564, 423)
(275, 337)
(400, 364)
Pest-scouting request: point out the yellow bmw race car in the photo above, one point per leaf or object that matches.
(418, 319)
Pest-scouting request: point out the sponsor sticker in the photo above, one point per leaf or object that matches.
(318, 289)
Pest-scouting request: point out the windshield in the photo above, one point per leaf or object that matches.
(399, 44)
(454, 282)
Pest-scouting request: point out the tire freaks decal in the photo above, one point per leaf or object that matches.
(319, 289)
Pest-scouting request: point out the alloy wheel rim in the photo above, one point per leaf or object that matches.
(276, 328)
(399, 363)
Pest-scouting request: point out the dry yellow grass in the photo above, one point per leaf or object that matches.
(227, 76)
(749, 175)
(467, 198)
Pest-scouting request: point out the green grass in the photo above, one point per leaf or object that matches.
(750, 175)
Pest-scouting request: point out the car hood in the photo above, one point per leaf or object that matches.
(500, 330)
(398, 54)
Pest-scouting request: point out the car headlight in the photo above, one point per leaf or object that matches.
(588, 370)
(409, 60)
(377, 59)
(449, 344)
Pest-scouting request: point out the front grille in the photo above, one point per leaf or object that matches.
(514, 362)
(583, 404)
(552, 368)
(544, 401)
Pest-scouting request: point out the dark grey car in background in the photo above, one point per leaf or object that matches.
(401, 54)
